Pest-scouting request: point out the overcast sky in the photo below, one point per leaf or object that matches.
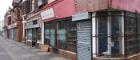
(4, 5)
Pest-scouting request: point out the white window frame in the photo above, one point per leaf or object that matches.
(94, 47)
(95, 32)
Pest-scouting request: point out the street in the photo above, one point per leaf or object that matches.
(12, 50)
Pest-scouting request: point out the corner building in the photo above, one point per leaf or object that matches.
(85, 29)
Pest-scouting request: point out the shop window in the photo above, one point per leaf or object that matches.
(66, 35)
(102, 35)
(38, 33)
(116, 35)
(50, 34)
(61, 33)
(131, 33)
(14, 34)
(138, 30)
(47, 34)
(35, 22)
(71, 36)
(110, 33)
(29, 34)
(53, 34)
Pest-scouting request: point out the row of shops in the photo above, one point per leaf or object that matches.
(89, 34)
(82, 30)
(13, 31)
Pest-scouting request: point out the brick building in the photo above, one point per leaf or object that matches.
(13, 23)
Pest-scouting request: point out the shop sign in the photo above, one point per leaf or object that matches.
(12, 26)
(47, 14)
(32, 26)
(33, 15)
(80, 16)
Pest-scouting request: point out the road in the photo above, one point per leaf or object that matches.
(12, 50)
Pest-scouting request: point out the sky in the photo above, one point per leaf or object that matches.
(4, 5)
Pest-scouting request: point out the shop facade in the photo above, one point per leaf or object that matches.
(114, 29)
(85, 29)
(33, 29)
(107, 35)
(59, 32)
(12, 23)
(12, 34)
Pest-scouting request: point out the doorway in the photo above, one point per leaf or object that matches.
(84, 41)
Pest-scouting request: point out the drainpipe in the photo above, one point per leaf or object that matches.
(23, 22)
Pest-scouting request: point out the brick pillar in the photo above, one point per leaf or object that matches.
(19, 31)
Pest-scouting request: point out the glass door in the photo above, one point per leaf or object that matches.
(34, 37)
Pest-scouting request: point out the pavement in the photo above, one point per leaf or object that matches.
(12, 50)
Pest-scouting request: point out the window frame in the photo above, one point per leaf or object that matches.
(109, 26)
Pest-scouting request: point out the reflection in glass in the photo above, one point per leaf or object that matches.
(102, 35)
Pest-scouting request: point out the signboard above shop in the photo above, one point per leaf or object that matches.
(12, 26)
(49, 13)
(80, 16)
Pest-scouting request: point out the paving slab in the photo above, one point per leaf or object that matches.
(12, 50)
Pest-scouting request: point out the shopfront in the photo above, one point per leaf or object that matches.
(12, 34)
(59, 29)
(33, 33)
(100, 34)
(84, 38)
(114, 34)
(110, 33)
(33, 29)
(61, 34)
(12, 31)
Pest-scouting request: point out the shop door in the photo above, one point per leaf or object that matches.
(84, 41)
(34, 37)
